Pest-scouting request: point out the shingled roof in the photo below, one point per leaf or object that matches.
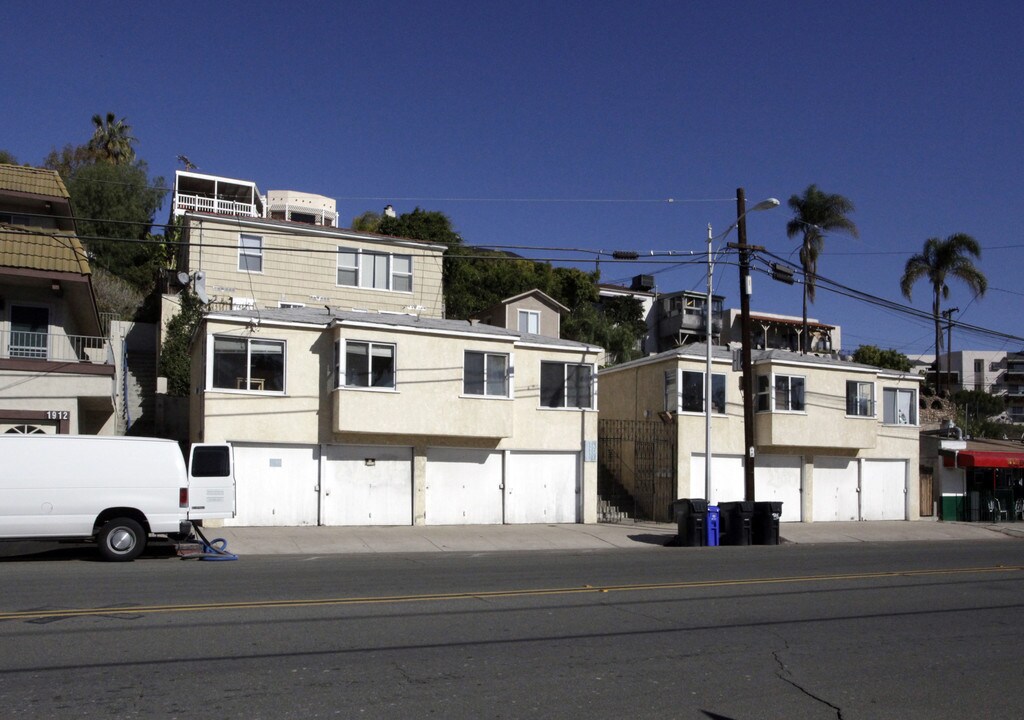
(39, 249)
(32, 181)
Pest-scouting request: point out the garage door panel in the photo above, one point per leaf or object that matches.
(275, 485)
(367, 485)
(463, 487)
(779, 478)
(726, 478)
(883, 486)
(835, 489)
(541, 488)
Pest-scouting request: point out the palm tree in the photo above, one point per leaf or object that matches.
(938, 260)
(814, 214)
(112, 140)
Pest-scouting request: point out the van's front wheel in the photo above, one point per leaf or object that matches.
(121, 540)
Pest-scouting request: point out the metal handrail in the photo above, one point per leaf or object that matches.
(54, 347)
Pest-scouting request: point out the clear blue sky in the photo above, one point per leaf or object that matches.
(569, 124)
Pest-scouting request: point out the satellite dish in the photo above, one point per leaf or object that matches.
(183, 278)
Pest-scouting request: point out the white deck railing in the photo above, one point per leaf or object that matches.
(200, 203)
(21, 345)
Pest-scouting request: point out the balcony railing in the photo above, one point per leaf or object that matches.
(52, 347)
(217, 206)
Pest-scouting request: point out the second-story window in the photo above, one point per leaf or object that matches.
(693, 392)
(250, 253)
(375, 270)
(367, 364)
(247, 364)
(860, 398)
(789, 393)
(780, 393)
(486, 374)
(899, 406)
(566, 385)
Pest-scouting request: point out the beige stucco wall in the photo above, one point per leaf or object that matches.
(426, 409)
(636, 392)
(306, 272)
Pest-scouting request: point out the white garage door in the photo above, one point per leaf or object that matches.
(883, 490)
(463, 487)
(276, 485)
(541, 487)
(726, 478)
(835, 489)
(367, 485)
(778, 478)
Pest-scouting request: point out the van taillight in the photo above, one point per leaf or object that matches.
(183, 497)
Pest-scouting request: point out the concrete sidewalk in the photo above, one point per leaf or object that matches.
(602, 536)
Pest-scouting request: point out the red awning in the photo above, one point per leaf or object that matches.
(982, 459)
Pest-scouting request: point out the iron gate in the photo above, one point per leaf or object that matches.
(640, 456)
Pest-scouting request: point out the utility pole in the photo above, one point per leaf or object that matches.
(745, 329)
(948, 314)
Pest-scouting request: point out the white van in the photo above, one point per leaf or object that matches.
(118, 490)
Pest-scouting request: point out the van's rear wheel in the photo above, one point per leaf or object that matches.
(121, 540)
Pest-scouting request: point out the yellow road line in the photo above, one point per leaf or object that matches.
(692, 584)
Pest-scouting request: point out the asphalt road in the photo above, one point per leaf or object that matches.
(900, 630)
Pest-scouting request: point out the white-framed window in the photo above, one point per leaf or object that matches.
(401, 273)
(860, 398)
(363, 364)
(374, 270)
(240, 363)
(486, 374)
(289, 304)
(780, 393)
(568, 385)
(529, 321)
(899, 406)
(691, 398)
(250, 253)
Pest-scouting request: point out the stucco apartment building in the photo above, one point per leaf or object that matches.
(57, 372)
(325, 358)
(373, 418)
(834, 440)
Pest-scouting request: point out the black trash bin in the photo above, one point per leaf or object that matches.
(736, 522)
(766, 522)
(690, 516)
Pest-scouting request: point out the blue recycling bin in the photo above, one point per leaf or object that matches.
(713, 526)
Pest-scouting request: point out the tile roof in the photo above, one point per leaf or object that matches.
(33, 181)
(39, 249)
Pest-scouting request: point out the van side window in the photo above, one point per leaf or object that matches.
(213, 461)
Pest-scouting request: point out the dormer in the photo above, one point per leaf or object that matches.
(532, 312)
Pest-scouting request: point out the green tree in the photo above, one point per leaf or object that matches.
(114, 209)
(69, 159)
(7, 158)
(891, 359)
(369, 221)
(112, 140)
(939, 260)
(816, 213)
(175, 360)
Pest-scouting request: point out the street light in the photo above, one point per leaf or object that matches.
(748, 377)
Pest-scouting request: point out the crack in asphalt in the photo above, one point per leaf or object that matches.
(786, 676)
